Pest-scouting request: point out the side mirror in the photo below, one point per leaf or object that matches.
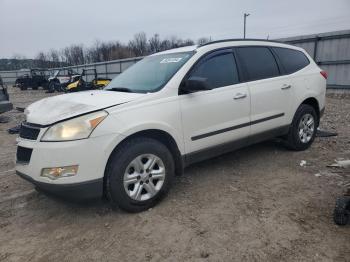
(195, 84)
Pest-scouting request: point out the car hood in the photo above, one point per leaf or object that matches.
(50, 110)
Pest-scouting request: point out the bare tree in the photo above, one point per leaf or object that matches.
(165, 44)
(74, 55)
(54, 58)
(104, 51)
(203, 40)
(175, 42)
(92, 53)
(41, 60)
(188, 42)
(154, 44)
(139, 44)
(120, 51)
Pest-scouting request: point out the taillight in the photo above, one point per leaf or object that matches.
(324, 74)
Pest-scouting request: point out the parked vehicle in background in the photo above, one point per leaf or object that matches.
(5, 104)
(88, 80)
(60, 78)
(166, 112)
(34, 79)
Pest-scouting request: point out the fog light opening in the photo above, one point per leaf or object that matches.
(58, 172)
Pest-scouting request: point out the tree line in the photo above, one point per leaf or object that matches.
(78, 54)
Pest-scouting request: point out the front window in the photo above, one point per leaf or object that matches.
(219, 70)
(150, 74)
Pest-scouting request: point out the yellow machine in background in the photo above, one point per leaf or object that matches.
(83, 82)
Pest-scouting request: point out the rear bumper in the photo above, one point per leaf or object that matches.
(5, 106)
(77, 191)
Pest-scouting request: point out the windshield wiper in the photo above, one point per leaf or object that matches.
(120, 89)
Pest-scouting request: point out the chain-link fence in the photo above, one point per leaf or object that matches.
(108, 69)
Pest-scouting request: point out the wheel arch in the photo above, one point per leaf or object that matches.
(159, 135)
(311, 101)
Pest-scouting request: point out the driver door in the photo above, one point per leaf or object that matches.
(220, 115)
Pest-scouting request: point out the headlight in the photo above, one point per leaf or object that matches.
(77, 128)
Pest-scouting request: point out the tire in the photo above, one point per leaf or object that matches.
(22, 87)
(51, 87)
(128, 162)
(62, 89)
(58, 87)
(341, 214)
(294, 140)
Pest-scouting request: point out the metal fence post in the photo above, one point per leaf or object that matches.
(315, 48)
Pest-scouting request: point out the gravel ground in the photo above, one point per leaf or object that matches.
(255, 204)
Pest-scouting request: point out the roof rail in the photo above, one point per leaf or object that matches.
(240, 39)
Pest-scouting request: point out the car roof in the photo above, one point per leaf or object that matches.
(178, 50)
(227, 43)
(240, 40)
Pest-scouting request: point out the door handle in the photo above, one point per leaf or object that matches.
(285, 86)
(240, 96)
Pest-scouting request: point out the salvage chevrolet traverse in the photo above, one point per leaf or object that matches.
(171, 109)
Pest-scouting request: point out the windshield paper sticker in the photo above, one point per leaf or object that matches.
(171, 60)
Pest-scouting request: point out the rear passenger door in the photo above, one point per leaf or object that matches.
(270, 91)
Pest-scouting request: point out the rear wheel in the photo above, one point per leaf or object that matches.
(52, 87)
(61, 88)
(139, 174)
(303, 129)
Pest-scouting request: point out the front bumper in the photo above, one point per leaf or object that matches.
(91, 156)
(78, 191)
(5, 106)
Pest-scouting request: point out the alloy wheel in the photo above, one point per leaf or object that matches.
(306, 128)
(144, 177)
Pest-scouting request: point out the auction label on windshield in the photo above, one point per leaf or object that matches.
(171, 60)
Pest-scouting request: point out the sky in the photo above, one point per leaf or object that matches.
(30, 26)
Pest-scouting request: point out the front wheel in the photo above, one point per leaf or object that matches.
(139, 174)
(303, 129)
(53, 86)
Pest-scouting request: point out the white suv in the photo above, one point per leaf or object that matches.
(169, 110)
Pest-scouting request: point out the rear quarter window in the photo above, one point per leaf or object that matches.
(292, 60)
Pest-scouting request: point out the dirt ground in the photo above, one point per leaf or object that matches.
(255, 204)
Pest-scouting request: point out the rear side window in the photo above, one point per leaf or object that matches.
(292, 60)
(258, 62)
(220, 70)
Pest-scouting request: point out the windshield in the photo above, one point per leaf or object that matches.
(150, 74)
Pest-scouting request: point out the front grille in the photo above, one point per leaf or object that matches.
(24, 154)
(29, 131)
